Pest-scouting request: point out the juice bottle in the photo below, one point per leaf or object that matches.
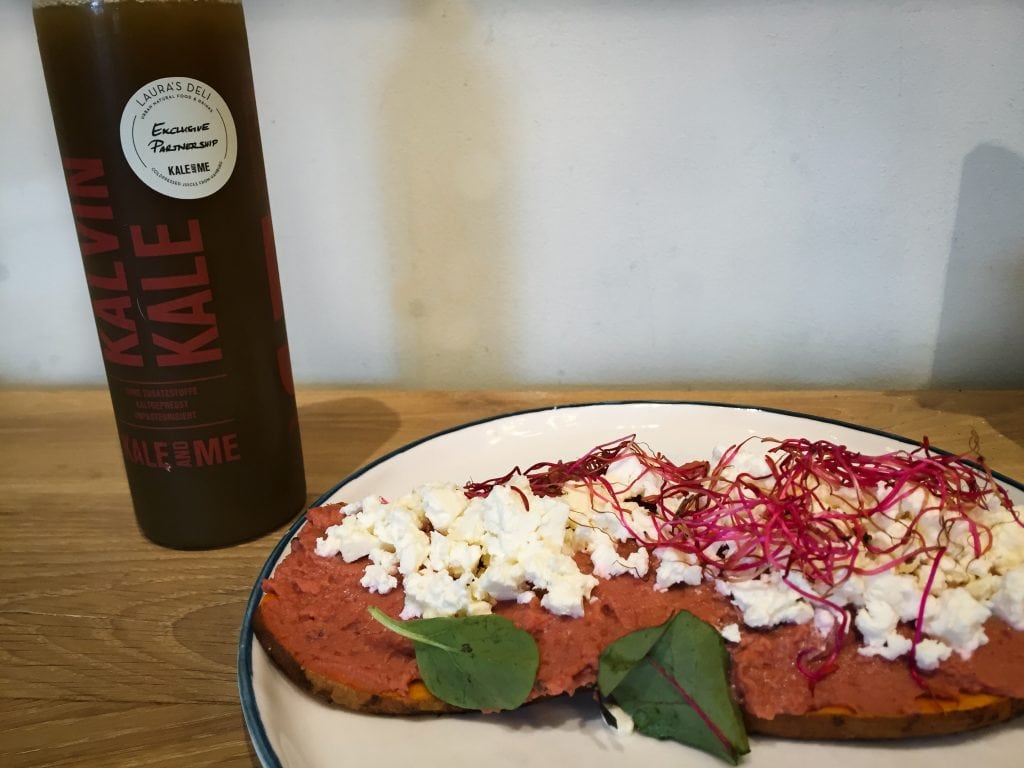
(156, 123)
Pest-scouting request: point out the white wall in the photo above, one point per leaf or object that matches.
(554, 192)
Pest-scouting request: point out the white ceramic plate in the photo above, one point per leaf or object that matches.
(290, 729)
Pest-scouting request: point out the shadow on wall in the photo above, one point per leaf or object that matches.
(981, 329)
(443, 132)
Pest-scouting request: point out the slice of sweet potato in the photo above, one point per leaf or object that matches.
(417, 700)
(301, 582)
(936, 718)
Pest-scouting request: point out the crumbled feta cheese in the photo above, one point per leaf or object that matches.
(330, 544)
(413, 548)
(434, 593)
(849, 591)
(458, 557)
(731, 632)
(623, 722)
(877, 622)
(502, 580)
(1008, 602)
(984, 588)
(553, 519)
(914, 502)
(566, 594)
(749, 460)
(676, 567)
(641, 524)
(929, 653)
(899, 591)
(508, 527)
(824, 620)
(377, 579)
(380, 575)
(768, 600)
(1007, 551)
(352, 509)
(454, 555)
(469, 526)
(608, 563)
(629, 477)
(353, 541)
(565, 586)
(442, 503)
(957, 619)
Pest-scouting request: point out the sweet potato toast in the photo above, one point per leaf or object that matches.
(313, 623)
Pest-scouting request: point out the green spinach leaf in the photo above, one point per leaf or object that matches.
(472, 662)
(673, 681)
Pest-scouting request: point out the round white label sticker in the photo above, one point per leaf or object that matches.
(178, 135)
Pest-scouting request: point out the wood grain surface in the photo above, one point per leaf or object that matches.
(116, 652)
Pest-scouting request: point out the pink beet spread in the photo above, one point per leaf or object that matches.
(317, 610)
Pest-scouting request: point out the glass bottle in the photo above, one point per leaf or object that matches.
(156, 123)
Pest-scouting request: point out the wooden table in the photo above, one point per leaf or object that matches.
(115, 652)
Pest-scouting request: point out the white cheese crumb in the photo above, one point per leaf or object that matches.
(455, 556)
(608, 563)
(877, 622)
(434, 593)
(351, 509)
(899, 591)
(442, 503)
(353, 541)
(566, 595)
(768, 600)
(749, 460)
(1008, 602)
(957, 619)
(502, 580)
(631, 478)
(676, 567)
(930, 653)
(731, 632)
(824, 621)
(1007, 551)
(377, 579)
(623, 722)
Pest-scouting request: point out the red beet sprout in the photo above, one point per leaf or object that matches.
(919, 626)
(821, 511)
(548, 478)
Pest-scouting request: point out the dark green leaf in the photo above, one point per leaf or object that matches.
(622, 656)
(673, 681)
(472, 662)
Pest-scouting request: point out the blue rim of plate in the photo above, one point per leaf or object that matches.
(250, 711)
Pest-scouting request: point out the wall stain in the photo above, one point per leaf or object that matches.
(444, 131)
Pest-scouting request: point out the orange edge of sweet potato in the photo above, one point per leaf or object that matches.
(934, 716)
